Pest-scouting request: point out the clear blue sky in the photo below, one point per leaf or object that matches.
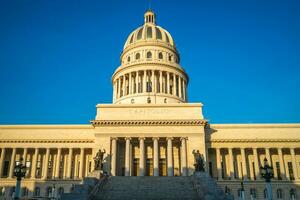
(57, 57)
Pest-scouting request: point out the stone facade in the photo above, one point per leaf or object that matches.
(150, 130)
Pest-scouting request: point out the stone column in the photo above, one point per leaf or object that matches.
(142, 156)
(184, 157)
(24, 156)
(184, 89)
(244, 164)
(113, 156)
(70, 159)
(231, 163)
(294, 162)
(153, 81)
(119, 88)
(12, 163)
(46, 163)
(174, 84)
(179, 91)
(57, 166)
(168, 83)
(219, 167)
(144, 81)
(268, 157)
(2, 161)
(127, 157)
(170, 156)
(124, 85)
(281, 163)
(130, 83)
(136, 81)
(155, 156)
(256, 164)
(160, 82)
(81, 162)
(34, 162)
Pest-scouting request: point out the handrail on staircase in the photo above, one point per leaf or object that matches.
(97, 187)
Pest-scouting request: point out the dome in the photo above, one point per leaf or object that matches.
(149, 32)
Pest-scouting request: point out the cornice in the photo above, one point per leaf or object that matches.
(247, 126)
(256, 140)
(148, 122)
(47, 141)
(48, 126)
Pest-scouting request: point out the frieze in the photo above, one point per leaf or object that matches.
(148, 122)
(251, 140)
(46, 141)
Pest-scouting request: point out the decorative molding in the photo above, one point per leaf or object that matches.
(263, 140)
(147, 122)
(46, 141)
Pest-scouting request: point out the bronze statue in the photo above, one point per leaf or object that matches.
(199, 161)
(98, 159)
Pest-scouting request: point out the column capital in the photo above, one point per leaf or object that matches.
(183, 138)
(142, 138)
(170, 138)
(155, 138)
(127, 138)
(114, 138)
(292, 150)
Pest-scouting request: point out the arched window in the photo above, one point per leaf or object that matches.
(128, 59)
(158, 34)
(131, 39)
(253, 193)
(137, 56)
(149, 54)
(149, 32)
(37, 192)
(279, 194)
(148, 100)
(167, 38)
(24, 192)
(160, 55)
(132, 100)
(165, 100)
(139, 35)
(49, 192)
(170, 58)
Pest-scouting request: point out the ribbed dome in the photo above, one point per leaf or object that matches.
(149, 32)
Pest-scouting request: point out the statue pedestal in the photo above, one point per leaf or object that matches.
(96, 174)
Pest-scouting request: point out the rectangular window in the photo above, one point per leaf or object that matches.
(210, 169)
(149, 87)
(5, 168)
(235, 169)
(278, 171)
(291, 172)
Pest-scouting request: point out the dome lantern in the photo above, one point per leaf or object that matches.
(149, 17)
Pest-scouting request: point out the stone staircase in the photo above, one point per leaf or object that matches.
(197, 187)
(146, 188)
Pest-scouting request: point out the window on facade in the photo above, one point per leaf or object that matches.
(132, 101)
(131, 39)
(49, 192)
(137, 56)
(12, 191)
(165, 100)
(139, 35)
(170, 58)
(160, 56)
(239, 193)
(279, 194)
(291, 172)
(293, 194)
(253, 193)
(149, 32)
(60, 190)
(128, 59)
(24, 191)
(148, 100)
(149, 86)
(158, 34)
(210, 169)
(278, 171)
(167, 38)
(149, 54)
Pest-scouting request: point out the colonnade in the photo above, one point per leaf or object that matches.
(46, 163)
(156, 155)
(251, 169)
(150, 81)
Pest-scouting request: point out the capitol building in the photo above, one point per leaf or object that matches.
(150, 129)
